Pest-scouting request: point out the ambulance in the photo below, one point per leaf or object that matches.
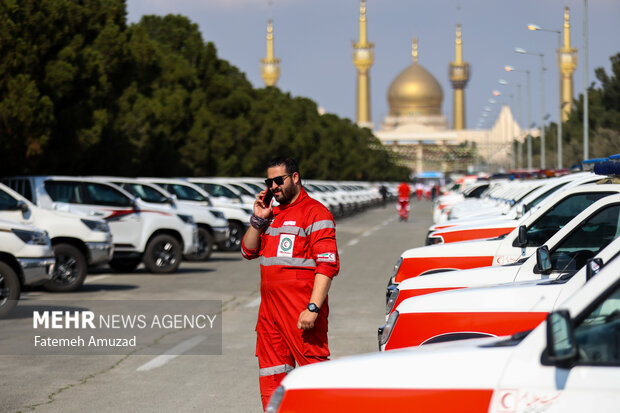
(585, 235)
(508, 308)
(495, 225)
(569, 363)
(519, 244)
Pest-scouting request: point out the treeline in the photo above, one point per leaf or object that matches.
(83, 92)
(603, 122)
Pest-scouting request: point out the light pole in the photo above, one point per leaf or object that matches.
(519, 162)
(542, 103)
(559, 33)
(586, 126)
(529, 112)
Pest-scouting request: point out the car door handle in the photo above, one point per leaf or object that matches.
(96, 213)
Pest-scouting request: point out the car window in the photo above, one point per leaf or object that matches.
(219, 190)
(183, 192)
(64, 191)
(545, 195)
(559, 215)
(100, 194)
(587, 240)
(242, 190)
(598, 335)
(144, 192)
(7, 202)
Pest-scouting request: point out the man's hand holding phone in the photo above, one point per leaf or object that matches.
(262, 205)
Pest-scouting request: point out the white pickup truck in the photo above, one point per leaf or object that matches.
(78, 242)
(26, 259)
(141, 234)
(569, 363)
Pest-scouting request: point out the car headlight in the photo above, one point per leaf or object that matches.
(99, 226)
(188, 219)
(217, 214)
(391, 300)
(276, 399)
(32, 237)
(387, 329)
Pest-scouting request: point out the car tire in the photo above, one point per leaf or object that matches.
(205, 246)
(70, 269)
(124, 264)
(10, 289)
(163, 254)
(233, 243)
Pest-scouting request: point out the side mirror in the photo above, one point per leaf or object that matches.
(134, 203)
(170, 200)
(561, 343)
(543, 259)
(522, 239)
(22, 206)
(593, 266)
(526, 207)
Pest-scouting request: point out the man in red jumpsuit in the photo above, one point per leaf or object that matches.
(296, 242)
(404, 192)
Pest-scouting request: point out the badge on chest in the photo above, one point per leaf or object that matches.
(285, 245)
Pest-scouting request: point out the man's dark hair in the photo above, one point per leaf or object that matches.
(289, 164)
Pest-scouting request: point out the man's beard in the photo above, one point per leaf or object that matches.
(285, 196)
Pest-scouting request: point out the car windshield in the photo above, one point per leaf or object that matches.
(184, 192)
(7, 202)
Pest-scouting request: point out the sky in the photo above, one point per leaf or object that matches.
(313, 39)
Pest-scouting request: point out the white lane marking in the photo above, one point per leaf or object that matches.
(253, 303)
(353, 242)
(95, 278)
(367, 233)
(173, 353)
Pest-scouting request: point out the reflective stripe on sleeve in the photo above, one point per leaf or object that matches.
(318, 225)
(288, 261)
(270, 371)
(288, 229)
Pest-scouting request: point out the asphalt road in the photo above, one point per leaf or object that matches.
(369, 245)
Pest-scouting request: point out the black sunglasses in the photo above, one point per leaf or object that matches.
(279, 180)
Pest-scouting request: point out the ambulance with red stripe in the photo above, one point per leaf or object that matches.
(569, 363)
(580, 239)
(557, 272)
(140, 232)
(519, 244)
(496, 225)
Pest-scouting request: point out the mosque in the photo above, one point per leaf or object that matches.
(415, 128)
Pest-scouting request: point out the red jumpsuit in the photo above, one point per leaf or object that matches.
(403, 201)
(299, 243)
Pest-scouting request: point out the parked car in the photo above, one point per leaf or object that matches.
(78, 242)
(212, 223)
(26, 259)
(140, 234)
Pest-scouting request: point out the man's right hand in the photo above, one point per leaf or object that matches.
(260, 209)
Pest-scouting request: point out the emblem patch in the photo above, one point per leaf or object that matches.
(289, 223)
(326, 257)
(285, 245)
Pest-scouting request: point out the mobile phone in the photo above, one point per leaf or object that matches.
(267, 197)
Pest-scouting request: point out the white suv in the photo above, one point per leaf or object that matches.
(141, 234)
(78, 242)
(212, 223)
(26, 258)
(188, 193)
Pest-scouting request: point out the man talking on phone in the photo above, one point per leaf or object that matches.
(296, 243)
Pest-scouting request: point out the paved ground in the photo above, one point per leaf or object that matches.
(369, 244)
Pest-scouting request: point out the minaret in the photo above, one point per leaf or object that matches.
(270, 66)
(567, 62)
(459, 75)
(363, 57)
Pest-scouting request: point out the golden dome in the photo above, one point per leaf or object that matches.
(415, 91)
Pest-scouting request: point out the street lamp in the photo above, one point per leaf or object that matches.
(542, 103)
(529, 112)
(519, 151)
(535, 27)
